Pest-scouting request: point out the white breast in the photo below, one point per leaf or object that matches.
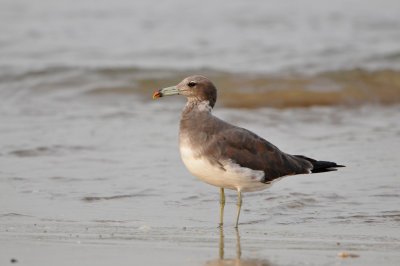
(231, 176)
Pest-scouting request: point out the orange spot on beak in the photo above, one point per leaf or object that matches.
(157, 94)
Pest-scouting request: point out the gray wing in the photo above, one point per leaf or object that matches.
(251, 151)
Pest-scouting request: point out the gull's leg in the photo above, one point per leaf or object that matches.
(222, 203)
(239, 205)
(221, 243)
(238, 248)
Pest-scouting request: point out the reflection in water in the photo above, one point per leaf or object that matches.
(221, 261)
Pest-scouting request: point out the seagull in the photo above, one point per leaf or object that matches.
(227, 156)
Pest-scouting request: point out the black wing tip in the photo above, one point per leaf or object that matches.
(324, 166)
(323, 170)
(321, 166)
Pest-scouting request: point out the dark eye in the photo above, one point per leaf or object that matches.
(192, 84)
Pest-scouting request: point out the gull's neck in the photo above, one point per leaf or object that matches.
(196, 108)
(195, 117)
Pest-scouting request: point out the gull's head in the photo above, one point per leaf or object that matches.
(194, 88)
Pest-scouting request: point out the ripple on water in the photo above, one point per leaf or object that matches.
(13, 214)
(64, 179)
(98, 198)
(384, 217)
(47, 150)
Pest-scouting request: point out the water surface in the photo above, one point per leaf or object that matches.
(104, 174)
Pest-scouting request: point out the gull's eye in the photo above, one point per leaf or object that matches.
(192, 84)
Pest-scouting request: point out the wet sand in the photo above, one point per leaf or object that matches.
(200, 247)
(100, 183)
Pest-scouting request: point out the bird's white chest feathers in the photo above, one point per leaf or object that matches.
(231, 176)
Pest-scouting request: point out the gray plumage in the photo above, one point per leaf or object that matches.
(225, 155)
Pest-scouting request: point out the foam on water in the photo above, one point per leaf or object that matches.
(344, 88)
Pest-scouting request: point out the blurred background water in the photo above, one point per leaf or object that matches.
(306, 36)
(86, 153)
(342, 52)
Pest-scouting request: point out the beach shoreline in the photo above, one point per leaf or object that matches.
(196, 246)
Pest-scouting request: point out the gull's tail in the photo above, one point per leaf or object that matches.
(321, 166)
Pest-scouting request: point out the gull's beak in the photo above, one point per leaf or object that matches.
(166, 92)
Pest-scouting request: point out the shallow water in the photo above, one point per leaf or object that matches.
(103, 172)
